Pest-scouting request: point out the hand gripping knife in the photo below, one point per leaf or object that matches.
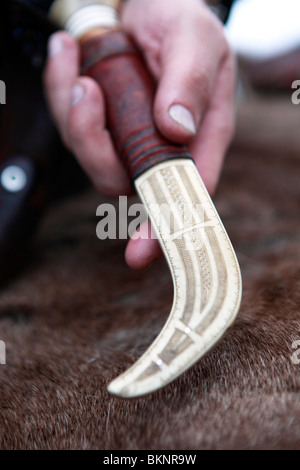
(204, 268)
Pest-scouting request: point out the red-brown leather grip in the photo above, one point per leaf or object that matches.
(115, 63)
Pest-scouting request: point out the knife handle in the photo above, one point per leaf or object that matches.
(113, 60)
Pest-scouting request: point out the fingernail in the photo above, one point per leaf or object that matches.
(77, 94)
(55, 45)
(181, 115)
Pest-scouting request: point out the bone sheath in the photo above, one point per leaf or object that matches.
(205, 272)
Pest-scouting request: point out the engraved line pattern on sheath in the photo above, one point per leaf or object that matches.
(179, 341)
(206, 279)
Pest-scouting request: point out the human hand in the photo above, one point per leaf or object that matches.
(187, 53)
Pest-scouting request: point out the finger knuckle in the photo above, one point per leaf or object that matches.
(199, 83)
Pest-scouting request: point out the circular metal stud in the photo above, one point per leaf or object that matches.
(13, 178)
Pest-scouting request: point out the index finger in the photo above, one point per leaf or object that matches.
(61, 71)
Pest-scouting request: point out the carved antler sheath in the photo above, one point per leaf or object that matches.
(204, 268)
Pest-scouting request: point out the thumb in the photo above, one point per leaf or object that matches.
(184, 90)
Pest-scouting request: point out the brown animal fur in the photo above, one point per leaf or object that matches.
(77, 316)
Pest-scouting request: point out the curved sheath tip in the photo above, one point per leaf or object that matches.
(205, 272)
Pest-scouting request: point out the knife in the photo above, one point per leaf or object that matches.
(204, 268)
